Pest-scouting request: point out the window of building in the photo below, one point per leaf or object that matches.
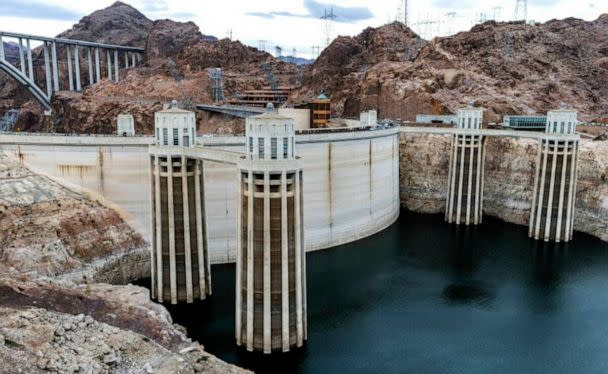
(273, 148)
(261, 147)
(165, 136)
(250, 144)
(285, 144)
(157, 135)
(186, 141)
(175, 137)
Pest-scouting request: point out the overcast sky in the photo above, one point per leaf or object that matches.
(293, 23)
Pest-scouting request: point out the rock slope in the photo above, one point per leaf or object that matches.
(507, 68)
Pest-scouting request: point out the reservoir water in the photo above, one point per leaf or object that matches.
(426, 297)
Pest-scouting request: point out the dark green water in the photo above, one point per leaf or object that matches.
(426, 297)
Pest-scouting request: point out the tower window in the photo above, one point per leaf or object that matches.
(273, 148)
(261, 147)
(165, 136)
(285, 144)
(175, 137)
(250, 144)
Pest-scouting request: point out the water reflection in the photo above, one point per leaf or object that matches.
(548, 261)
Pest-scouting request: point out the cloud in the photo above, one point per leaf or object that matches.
(183, 15)
(343, 14)
(154, 5)
(317, 10)
(33, 9)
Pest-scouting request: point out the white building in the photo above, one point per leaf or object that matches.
(175, 126)
(125, 125)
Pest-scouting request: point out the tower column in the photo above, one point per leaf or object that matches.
(464, 201)
(551, 217)
(271, 283)
(180, 260)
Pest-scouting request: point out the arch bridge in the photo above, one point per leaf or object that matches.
(76, 51)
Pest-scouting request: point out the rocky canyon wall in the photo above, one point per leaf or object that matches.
(508, 181)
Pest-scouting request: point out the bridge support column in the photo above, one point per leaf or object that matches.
(97, 67)
(21, 57)
(271, 265)
(116, 74)
(54, 65)
(109, 64)
(77, 68)
(465, 176)
(47, 70)
(133, 59)
(90, 66)
(30, 66)
(126, 59)
(69, 57)
(553, 200)
(2, 57)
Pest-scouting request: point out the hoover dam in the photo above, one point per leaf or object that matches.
(351, 183)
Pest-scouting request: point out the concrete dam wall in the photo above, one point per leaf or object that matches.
(350, 181)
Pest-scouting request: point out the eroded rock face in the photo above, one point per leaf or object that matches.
(508, 180)
(48, 229)
(168, 38)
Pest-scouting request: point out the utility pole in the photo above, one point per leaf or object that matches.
(278, 51)
(315, 51)
(451, 20)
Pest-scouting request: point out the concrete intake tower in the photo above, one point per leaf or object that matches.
(180, 267)
(464, 203)
(552, 215)
(271, 262)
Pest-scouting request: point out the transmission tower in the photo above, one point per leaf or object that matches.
(496, 13)
(278, 51)
(451, 19)
(328, 17)
(315, 51)
(521, 10)
(402, 12)
(270, 75)
(507, 49)
(262, 45)
(217, 89)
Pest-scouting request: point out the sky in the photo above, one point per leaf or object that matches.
(295, 24)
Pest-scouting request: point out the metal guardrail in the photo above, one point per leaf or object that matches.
(83, 43)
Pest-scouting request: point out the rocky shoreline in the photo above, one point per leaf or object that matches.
(63, 309)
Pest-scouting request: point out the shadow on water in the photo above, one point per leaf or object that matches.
(425, 296)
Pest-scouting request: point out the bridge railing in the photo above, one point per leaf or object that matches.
(24, 74)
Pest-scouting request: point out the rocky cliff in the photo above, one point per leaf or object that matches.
(508, 182)
(507, 68)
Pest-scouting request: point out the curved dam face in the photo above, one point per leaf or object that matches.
(350, 181)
